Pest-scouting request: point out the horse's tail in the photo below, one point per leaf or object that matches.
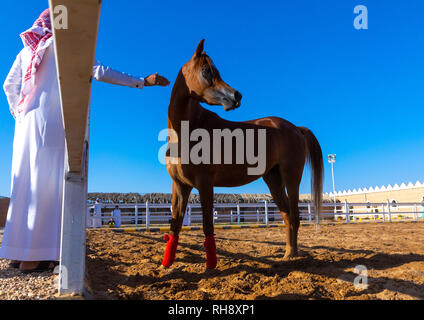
(314, 158)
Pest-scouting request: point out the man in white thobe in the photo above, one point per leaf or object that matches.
(97, 215)
(31, 238)
(117, 216)
(187, 218)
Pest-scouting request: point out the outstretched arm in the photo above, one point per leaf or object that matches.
(109, 75)
(12, 85)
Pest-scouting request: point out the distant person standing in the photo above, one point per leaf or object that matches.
(97, 215)
(187, 219)
(32, 235)
(117, 217)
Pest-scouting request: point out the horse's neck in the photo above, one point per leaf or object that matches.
(180, 106)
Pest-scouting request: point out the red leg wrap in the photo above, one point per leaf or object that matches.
(171, 250)
(210, 247)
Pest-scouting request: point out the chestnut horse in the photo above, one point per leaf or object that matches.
(287, 149)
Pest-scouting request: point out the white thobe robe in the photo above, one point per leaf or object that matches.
(33, 225)
(117, 217)
(97, 216)
(186, 220)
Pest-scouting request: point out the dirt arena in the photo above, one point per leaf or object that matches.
(250, 266)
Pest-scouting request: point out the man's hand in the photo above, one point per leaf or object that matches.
(156, 80)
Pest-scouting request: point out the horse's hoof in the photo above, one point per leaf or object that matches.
(213, 267)
(162, 267)
(170, 270)
(166, 265)
(289, 256)
(211, 264)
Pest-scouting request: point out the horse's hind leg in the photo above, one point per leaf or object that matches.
(206, 199)
(180, 195)
(292, 180)
(294, 217)
(276, 186)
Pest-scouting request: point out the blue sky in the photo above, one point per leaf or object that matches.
(360, 91)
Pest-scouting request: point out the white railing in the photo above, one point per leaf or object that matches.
(149, 214)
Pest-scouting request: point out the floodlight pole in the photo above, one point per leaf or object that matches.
(332, 160)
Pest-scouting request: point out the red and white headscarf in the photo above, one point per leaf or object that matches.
(37, 40)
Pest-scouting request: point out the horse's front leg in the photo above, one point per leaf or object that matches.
(180, 195)
(206, 199)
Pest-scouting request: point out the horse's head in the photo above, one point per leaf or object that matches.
(205, 83)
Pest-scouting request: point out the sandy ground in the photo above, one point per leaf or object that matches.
(127, 265)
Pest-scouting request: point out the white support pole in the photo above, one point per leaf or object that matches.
(309, 212)
(147, 215)
(388, 211)
(231, 216)
(415, 212)
(136, 215)
(257, 216)
(347, 212)
(384, 213)
(333, 160)
(74, 69)
(72, 249)
(334, 186)
(238, 213)
(189, 215)
(266, 213)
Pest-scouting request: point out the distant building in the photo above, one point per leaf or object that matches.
(404, 193)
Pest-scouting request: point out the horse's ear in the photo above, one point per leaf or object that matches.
(199, 49)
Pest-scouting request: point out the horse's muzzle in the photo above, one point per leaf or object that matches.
(236, 101)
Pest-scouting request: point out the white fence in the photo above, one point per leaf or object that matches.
(148, 215)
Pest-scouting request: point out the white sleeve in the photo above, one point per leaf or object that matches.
(107, 74)
(12, 84)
